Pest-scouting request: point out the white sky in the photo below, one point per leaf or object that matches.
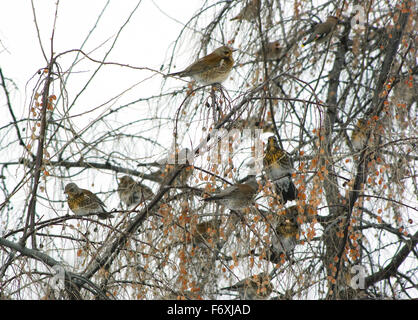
(145, 42)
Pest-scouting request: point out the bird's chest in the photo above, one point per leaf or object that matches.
(284, 243)
(217, 73)
(127, 194)
(76, 203)
(277, 172)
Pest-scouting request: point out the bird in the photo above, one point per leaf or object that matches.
(359, 134)
(132, 192)
(278, 166)
(273, 50)
(84, 202)
(249, 12)
(256, 287)
(322, 31)
(237, 196)
(211, 69)
(287, 233)
(206, 232)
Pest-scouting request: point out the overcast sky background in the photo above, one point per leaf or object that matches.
(146, 41)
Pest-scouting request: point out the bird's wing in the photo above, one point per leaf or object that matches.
(226, 192)
(91, 198)
(203, 64)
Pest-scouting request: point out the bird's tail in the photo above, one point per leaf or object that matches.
(213, 198)
(105, 215)
(291, 193)
(288, 193)
(179, 74)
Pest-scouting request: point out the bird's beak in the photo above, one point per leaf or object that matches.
(233, 49)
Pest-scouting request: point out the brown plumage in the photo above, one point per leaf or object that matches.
(249, 12)
(273, 51)
(257, 287)
(213, 68)
(322, 31)
(206, 233)
(84, 202)
(278, 168)
(359, 135)
(132, 192)
(287, 233)
(237, 196)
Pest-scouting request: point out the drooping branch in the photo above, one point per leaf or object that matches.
(362, 167)
(30, 219)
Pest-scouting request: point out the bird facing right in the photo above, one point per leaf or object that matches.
(211, 69)
(273, 50)
(278, 167)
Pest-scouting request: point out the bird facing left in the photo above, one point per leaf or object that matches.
(237, 196)
(84, 202)
(132, 192)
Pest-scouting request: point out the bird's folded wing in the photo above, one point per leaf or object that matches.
(204, 64)
(91, 199)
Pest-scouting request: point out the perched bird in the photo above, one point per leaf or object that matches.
(213, 68)
(273, 51)
(249, 12)
(132, 192)
(257, 287)
(322, 31)
(83, 202)
(287, 233)
(206, 232)
(278, 167)
(237, 196)
(359, 134)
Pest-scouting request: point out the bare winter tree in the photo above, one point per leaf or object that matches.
(342, 108)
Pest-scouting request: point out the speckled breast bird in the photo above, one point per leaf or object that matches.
(132, 192)
(359, 135)
(322, 31)
(237, 196)
(249, 12)
(257, 287)
(211, 69)
(83, 202)
(287, 233)
(273, 51)
(206, 232)
(278, 167)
